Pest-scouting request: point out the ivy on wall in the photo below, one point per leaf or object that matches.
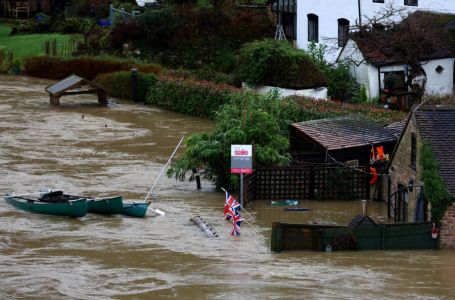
(435, 188)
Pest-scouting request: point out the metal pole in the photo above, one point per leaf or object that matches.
(241, 189)
(164, 168)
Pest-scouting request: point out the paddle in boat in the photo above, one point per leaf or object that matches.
(50, 203)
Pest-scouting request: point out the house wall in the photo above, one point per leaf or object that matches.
(439, 83)
(358, 67)
(400, 170)
(448, 229)
(329, 13)
(369, 75)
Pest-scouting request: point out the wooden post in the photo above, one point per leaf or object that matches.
(102, 97)
(54, 100)
(134, 84)
(198, 179)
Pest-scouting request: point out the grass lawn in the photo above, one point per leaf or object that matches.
(29, 44)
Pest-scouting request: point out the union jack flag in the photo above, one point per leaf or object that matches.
(231, 207)
(236, 221)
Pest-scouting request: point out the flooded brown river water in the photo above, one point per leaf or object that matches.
(120, 149)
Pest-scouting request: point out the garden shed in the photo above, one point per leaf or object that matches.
(348, 140)
(75, 85)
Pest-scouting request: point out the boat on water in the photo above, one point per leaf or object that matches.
(135, 209)
(105, 206)
(52, 203)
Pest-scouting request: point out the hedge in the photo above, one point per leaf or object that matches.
(119, 84)
(277, 63)
(193, 97)
(87, 67)
(325, 109)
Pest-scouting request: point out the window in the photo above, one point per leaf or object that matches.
(411, 2)
(313, 30)
(286, 13)
(413, 150)
(343, 32)
(394, 81)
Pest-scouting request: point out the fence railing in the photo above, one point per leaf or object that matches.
(400, 236)
(6, 58)
(307, 183)
(60, 48)
(121, 13)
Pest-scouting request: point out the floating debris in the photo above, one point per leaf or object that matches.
(204, 226)
(296, 209)
(284, 202)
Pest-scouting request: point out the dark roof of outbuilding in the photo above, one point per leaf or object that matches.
(397, 127)
(344, 132)
(437, 127)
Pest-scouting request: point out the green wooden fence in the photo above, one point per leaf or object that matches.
(400, 236)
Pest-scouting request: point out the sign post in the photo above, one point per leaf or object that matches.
(241, 163)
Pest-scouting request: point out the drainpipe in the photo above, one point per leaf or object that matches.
(379, 81)
(360, 12)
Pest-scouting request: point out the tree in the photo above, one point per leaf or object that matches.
(412, 37)
(250, 119)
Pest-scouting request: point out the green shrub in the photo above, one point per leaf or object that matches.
(70, 25)
(197, 98)
(119, 84)
(342, 86)
(248, 118)
(363, 94)
(277, 63)
(206, 74)
(158, 26)
(435, 188)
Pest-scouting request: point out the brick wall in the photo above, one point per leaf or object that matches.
(448, 229)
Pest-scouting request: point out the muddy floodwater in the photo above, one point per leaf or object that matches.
(83, 148)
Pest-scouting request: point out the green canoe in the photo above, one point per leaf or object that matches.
(135, 209)
(105, 206)
(54, 203)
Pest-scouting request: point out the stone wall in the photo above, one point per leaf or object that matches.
(400, 170)
(448, 229)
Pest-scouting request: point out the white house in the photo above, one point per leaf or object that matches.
(329, 21)
(374, 66)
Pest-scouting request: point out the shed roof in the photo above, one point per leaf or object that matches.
(69, 83)
(397, 127)
(344, 132)
(437, 127)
